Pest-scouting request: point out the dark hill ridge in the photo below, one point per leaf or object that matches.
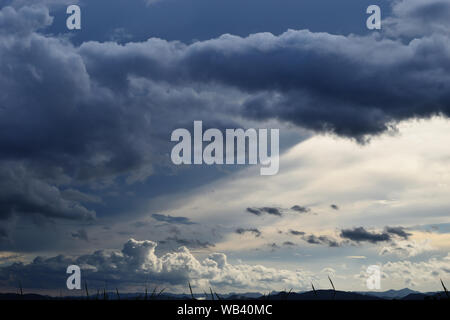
(31, 296)
(403, 294)
(321, 295)
(390, 294)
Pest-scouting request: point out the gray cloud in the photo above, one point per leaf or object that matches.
(170, 219)
(296, 233)
(269, 210)
(300, 209)
(399, 231)
(254, 211)
(255, 231)
(360, 234)
(276, 211)
(313, 239)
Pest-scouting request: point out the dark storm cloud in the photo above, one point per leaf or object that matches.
(300, 209)
(93, 114)
(170, 219)
(265, 66)
(255, 231)
(282, 77)
(60, 129)
(23, 193)
(360, 234)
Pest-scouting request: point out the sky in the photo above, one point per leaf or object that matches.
(86, 117)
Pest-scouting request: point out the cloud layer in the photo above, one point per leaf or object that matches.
(77, 120)
(100, 111)
(137, 264)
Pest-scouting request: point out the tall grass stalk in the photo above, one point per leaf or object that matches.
(86, 290)
(445, 289)
(190, 289)
(332, 285)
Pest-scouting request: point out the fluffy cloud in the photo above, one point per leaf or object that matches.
(24, 20)
(406, 248)
(415, 274)
(415, 18)
(137, 263)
